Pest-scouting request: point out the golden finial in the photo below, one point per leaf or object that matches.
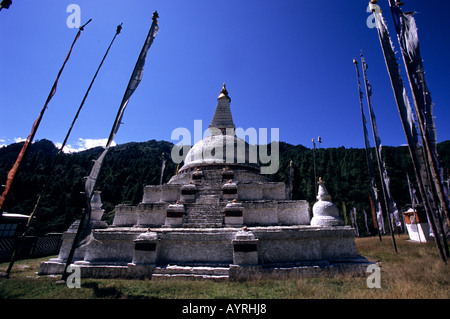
(224, 92)
(224, 89)
(373, 1)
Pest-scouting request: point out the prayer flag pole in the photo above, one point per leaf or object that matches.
(406, 117)
(84, 229)
(381, 165)
(373, 187)
(45, 187)
(12, 173)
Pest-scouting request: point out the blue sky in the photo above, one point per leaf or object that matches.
(287, 65)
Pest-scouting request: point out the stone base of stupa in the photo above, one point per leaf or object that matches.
(274, 251)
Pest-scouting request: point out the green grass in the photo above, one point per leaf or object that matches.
(416, 271)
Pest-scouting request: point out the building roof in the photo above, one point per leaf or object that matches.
(14, 216)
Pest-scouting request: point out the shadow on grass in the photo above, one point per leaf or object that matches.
(112, 292)
(103, 292)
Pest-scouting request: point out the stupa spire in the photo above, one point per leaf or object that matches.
(222, 118)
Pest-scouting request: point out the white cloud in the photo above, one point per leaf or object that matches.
(68, 148)
(8, 141)
(81, 145)
(84, 144)
(5, 142)
(91, 143)
(19, 139)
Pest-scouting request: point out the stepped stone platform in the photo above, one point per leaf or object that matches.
(215, 273)
(219, 219)
(206, 253)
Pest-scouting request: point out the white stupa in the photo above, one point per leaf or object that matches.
(219, 217)
(325, 212)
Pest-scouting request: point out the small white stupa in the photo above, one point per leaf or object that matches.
(325, 213)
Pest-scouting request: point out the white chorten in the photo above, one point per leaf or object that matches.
(325, 213)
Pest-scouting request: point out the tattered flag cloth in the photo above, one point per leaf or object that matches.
(405, 112)
(403, 105)
(380, 219)
(291, 179)
(354, 221)
(377, 139)
(89, 186)
(12, 173)
(408, 38)
(409, 43)
(83, 235)
(396, 80)
(365, 222)
(163, 166)
(135, 79)
(396, 217)
(401, 97)
(385, 182)
(412, 194)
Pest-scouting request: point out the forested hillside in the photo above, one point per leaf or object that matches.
(129, 167)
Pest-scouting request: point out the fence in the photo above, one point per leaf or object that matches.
(33, 247)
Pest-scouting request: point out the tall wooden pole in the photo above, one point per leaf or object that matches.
(409, 129)
(18, 243)
(379, 160)
(315, 173)
(373, 194)
(430, 152)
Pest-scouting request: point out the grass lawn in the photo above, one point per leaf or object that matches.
(416, 271)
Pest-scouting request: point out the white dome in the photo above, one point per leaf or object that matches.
(219, 149)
